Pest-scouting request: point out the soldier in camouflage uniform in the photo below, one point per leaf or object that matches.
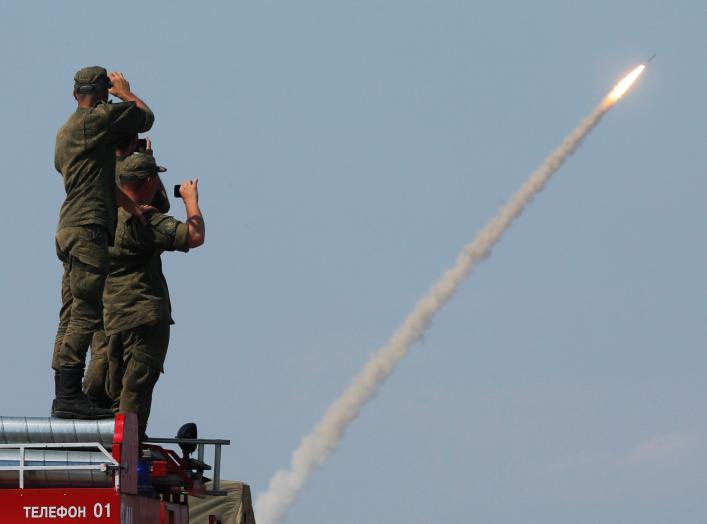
(85, 156)
(137, 306)
(94, 382)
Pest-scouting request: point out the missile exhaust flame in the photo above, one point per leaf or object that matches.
(624, 84)
(315, 448)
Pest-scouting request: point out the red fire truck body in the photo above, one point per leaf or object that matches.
(55, 471)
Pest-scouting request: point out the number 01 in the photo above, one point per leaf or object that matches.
(99, 510)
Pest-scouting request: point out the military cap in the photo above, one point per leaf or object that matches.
(139, 166)
(91, 78)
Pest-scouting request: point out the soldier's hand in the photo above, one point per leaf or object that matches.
(141, 212)
(121, 87)
(148, 146)
(189, 190)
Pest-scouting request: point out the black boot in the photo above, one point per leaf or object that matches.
(70, 401)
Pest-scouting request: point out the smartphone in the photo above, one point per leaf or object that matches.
(141, 145)
(177, 194)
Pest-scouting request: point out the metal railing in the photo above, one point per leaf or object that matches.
(201, 443)
(109, 465)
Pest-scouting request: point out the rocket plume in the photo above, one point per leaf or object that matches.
(315, 448)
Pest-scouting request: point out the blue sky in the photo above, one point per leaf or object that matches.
(347, 151)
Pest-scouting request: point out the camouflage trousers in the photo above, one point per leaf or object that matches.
(96, 376)
(83, 250)
(135, 359)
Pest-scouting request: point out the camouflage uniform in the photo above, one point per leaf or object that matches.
(95, 379)
(85, 156)
(137, 307)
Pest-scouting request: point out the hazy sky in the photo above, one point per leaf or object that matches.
(347, 150)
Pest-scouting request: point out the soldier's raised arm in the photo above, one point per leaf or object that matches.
(133, 115)
(189, 192)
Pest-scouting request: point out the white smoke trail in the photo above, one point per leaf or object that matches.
(315, 448)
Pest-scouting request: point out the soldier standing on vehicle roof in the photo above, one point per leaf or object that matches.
(85, 156)
(137, 306)
(94, 381)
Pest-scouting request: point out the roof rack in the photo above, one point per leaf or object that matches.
(110, 463)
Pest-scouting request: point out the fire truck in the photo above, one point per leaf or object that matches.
(55, 471)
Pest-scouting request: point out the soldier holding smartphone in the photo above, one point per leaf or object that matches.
(138, 312)
(94, 382)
